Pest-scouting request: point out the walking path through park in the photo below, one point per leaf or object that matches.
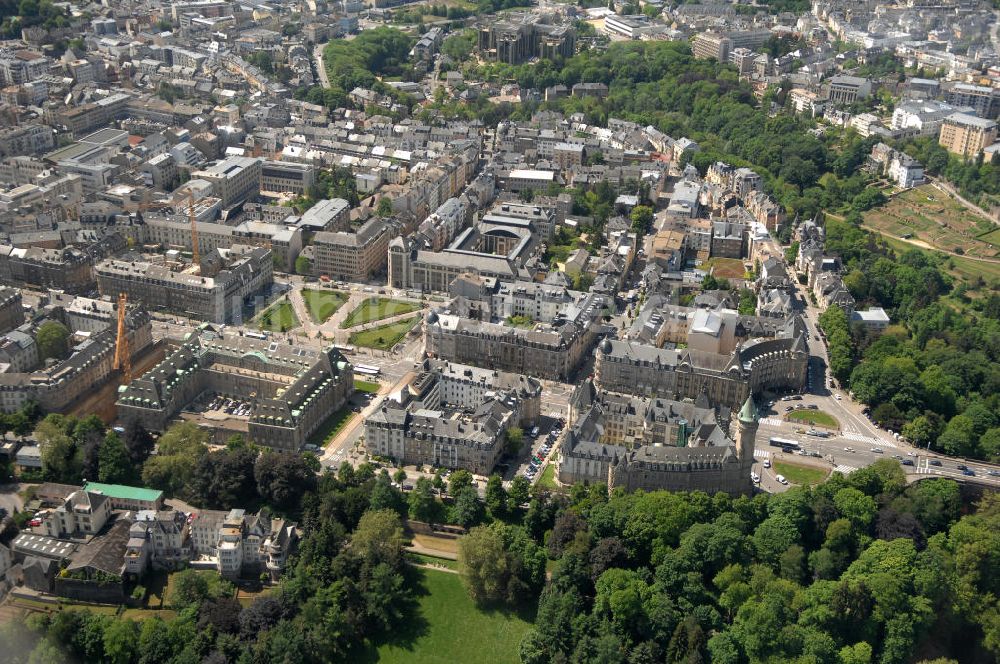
(330, 328)
(951, 191)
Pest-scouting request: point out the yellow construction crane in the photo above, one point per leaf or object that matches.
(123, 355)
(195, 253)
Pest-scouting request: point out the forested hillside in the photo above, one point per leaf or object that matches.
(858, 570)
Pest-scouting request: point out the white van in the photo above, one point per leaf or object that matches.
(781, 479)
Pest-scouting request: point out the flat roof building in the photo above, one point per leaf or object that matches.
(967, 135)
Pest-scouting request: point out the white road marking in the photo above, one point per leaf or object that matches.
(844, 469)
(772, 422)
(861, 438)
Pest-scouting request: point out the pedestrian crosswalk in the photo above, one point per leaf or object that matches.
(844, 469)
(869, 440)
(771, 421)
(761, 454)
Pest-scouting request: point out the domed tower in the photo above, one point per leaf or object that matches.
(746, 431)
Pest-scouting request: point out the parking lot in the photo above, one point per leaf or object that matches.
(220, 405)
(542, 440)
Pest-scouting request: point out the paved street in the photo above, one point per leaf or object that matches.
(856, 443)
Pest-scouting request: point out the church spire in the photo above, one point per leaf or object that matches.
(748, 414)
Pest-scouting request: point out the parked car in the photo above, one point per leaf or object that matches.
(934, 462)
(877, 450)
(907, 462)
(781, 479)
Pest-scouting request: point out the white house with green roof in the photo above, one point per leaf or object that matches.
(128, 497)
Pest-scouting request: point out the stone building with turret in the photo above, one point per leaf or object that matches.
(653, 444)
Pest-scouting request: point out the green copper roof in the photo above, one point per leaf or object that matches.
(124, 492)
(748, 413)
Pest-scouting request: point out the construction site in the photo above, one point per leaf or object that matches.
(106, 343)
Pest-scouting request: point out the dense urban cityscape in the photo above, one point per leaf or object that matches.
(500, 331)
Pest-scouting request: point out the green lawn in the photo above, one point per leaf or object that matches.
(816, 417)
(279, 318)
(384, 337)
(422, 559)
(724, 268)
(963, 267)
(365, 386)
(377, 308)
(523, 322)
(323, 303)
(448, 627)
(333, 424)
(797, 474)
(548, 478)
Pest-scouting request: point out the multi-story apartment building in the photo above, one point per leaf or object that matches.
(69, 270)
(216, 299)
(287, 177)
(11, 309)
(331, 214)
(291, 390)
(92, 115)
(568, 155)
(985, 101)
(158, 539)
(428, 44)
(354, 256)
(967, 134)
(708, 45)
(88, 367)
(232, 543)
(81, 513)
(442, 225)
(550, 348)
(453, 416)
(22, 66)
(160, 172)
(923, 117)
(729, 239)
(743, 59)
(26, 139)
(234, 180)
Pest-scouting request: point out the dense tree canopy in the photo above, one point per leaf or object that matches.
(936, 376)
